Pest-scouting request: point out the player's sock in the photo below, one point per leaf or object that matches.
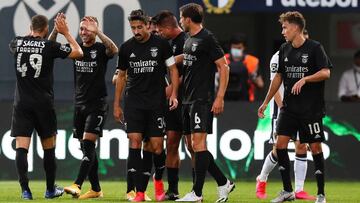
(145, 172)
(284, 168)
(93, 175)
(133, 164)
(215, 171)
(193, 174)
(159, 163)
(50, 168)
(173, 179)
(86, 162)
(269, 164)
(319, 172)
(300, 169)
(201, 166)
(22, 167)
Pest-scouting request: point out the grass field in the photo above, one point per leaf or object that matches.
(337, 192)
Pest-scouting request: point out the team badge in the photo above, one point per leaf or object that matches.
(65, 48)
(304, 58)
(93, 54)
(219, 6)
(194, 46)
(19, 42)
(154, 51)
(274, 67)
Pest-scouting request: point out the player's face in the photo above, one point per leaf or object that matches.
(164, 31)
(184, 22)
(289, 31)
(153, 29)
(139, 29)
(86, 35)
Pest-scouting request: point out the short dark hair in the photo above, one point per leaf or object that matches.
(39, 23)
(138, 15)
(357, 54)
(166, 18)
(193, 11)
(238, 38)
(294, 17)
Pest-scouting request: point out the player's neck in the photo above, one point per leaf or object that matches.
(89, 44)
(298, 41)
(177, 31)
(146, 38)
(37, 34)
(195, 28)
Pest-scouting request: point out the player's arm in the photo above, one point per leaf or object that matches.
(115, 76)
(62, 28)
(174, 77)
(322, 74)
(274, 87)
(223, 70)
(179, 58)
(53, 35)
(119, 88)
(278, 99)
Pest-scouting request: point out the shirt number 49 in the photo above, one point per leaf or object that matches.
(35, 61)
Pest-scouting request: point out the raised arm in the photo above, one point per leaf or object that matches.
(62, 28)
(223, 69)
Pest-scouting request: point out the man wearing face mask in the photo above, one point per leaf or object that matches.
(349, 85)
(243, 70)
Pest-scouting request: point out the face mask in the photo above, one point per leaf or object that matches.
(236, 53)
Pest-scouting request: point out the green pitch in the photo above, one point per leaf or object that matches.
(114, 191)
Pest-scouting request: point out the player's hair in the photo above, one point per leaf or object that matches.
(294, 17)
(39, 23)
(357, 54)
(238, 38)
(166, 18)
(92, 17)
(138, 15)
(193, 11)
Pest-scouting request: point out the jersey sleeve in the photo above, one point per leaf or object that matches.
(321, 59)
(215, 49)
(122, 59)
(167, 53)
(59, 50)
(274, 65)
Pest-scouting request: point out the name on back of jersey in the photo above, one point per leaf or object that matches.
(30, 46)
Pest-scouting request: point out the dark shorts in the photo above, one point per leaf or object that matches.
(90, 118)
(26, 119)
(149, 122)
(173, 120)
(274, 133)
(197, 117)
(310, 129)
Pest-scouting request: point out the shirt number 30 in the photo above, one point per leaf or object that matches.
(35, 61)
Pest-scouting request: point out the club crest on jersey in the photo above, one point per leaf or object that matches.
(304, 58)
(19, 42)
(154, 51)
(93, 54)
(194, 46)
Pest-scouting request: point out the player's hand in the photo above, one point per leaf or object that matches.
(92, 26)
(168, 91)
(118, 115)
(173, 103)
(61, 24)
(218, 106)
(296, 89)
(261, 110)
